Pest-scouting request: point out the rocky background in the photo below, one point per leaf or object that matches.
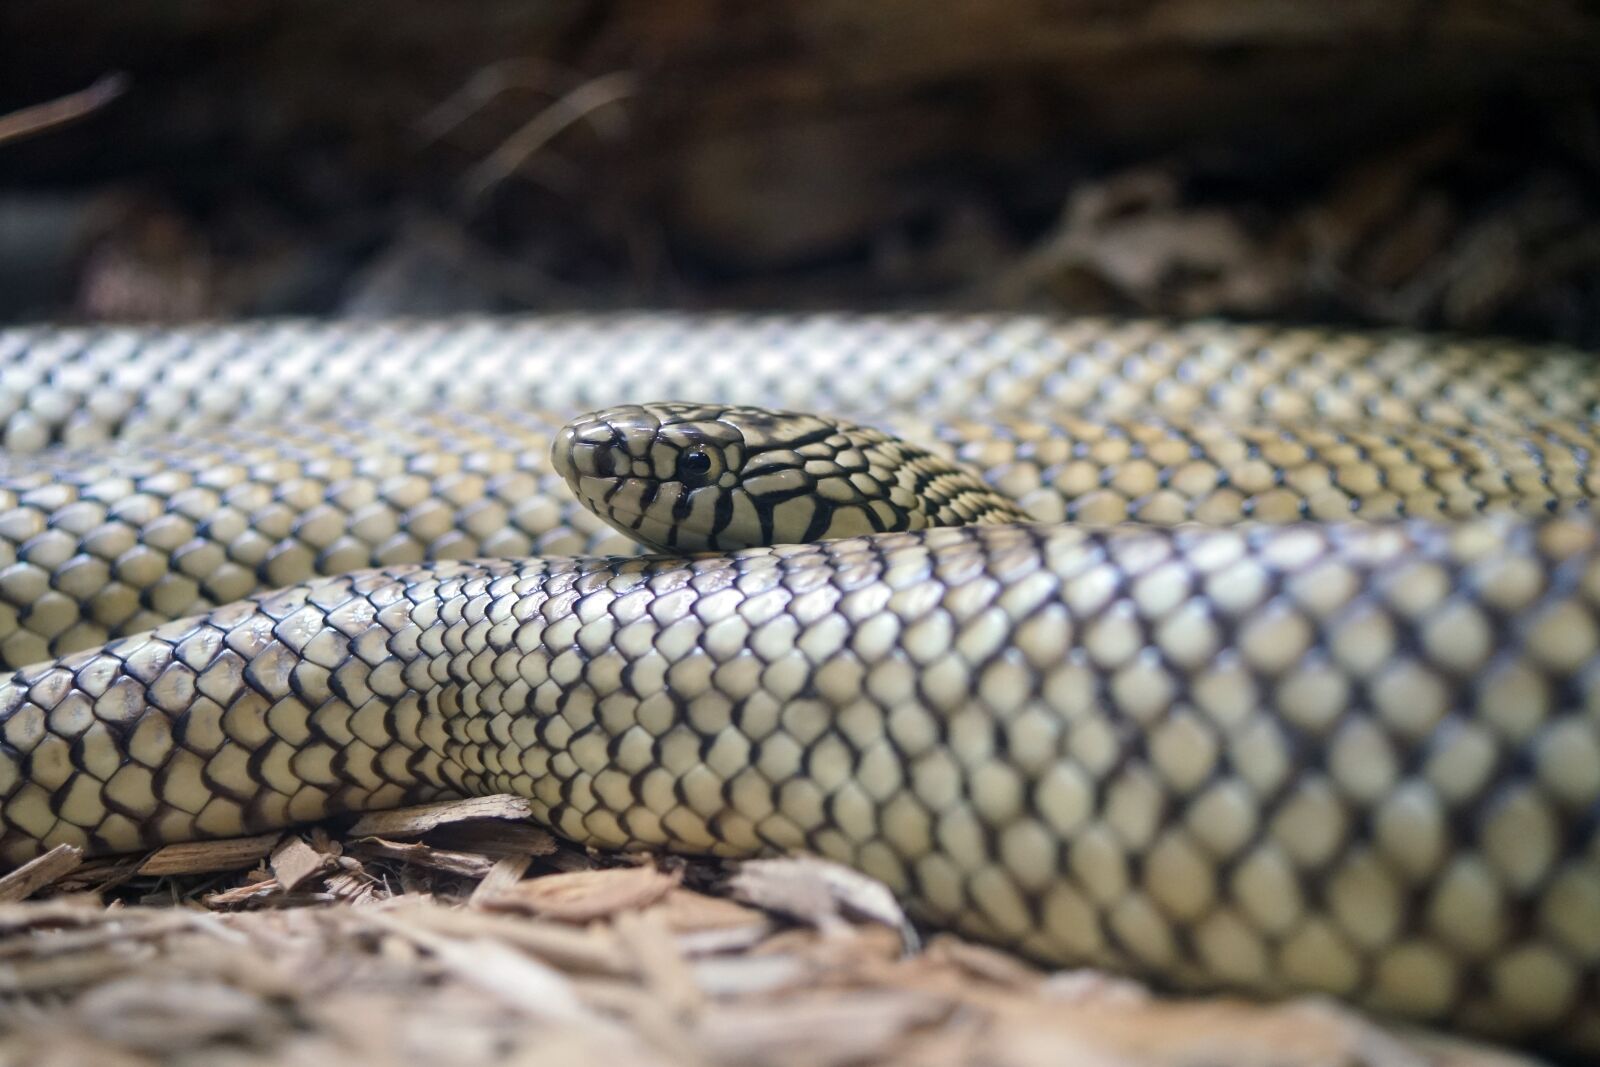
(1429, 163)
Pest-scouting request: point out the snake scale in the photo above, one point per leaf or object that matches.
(1292, 685)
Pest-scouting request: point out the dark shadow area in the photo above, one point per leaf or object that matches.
(1420, 164)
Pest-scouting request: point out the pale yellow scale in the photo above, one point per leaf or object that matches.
(1357, 760)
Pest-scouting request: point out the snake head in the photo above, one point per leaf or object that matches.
(685, 477)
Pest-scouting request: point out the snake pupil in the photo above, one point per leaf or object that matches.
(694, 466)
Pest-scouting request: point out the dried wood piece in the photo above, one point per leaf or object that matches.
(98, 875)
(981, 961)
(203, 857)
(589, 951)
(506, 872)
(418, 820)
(51, 973)
(707, 925)
(496, 838)
(521, 982)
(353, 887)
(144, 924)
(685, 911)
(659, 962)
(293, 861)
(468, 864)
(178, 1012)
(267, 887)
(825, 1029)
(75, 909)
(1088, 986)
(819, 893)
(583, 896)
(746, 974)
(39, 872)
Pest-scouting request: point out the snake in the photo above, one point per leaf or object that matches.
(1233, 657)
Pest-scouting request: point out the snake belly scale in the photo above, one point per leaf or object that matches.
(1353, 757)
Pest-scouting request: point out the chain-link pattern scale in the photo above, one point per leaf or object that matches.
(105, 541)
(1355, 760)
(82, 386)
(102, 542)
(1351, 758)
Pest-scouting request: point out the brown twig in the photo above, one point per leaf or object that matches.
(62, 110)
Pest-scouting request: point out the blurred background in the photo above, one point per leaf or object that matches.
(1431, 163)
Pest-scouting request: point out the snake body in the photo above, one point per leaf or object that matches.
(1308, 752)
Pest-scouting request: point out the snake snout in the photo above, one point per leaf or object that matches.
(588, 447)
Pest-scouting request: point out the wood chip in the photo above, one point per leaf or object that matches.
(468, 864)
(584, 896)
(203, 857)
(588, 951)
(705, 925)
(293, 861)
(496, 838)
(240, 895)
(49, 973)
(820, 894)
(506, 872)
(686, 911)
(660, 964)
(353, 887)
(100, 875)
(74, 909)
(522, 983)
(981, 961)
(179, 1012)
(418, 820)
(749, 975)
(39, 872)
(824, 1029)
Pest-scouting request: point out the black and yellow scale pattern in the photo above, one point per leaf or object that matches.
(1302, 753)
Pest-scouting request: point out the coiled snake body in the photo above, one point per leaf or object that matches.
(1351, 745)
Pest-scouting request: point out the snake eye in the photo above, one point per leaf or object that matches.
(693, 466)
